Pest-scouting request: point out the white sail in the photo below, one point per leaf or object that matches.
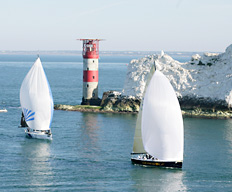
(162, 123)
(138, 143)
(36, 98)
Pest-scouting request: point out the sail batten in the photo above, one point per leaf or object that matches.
(161, 122)
(36, 98)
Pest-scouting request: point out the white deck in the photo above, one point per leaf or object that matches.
(38, 135)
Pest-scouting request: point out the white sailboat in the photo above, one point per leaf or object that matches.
(159, 133)
(37, 103)
(3, 110)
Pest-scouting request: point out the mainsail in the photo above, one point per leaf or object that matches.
(162, 123)
(138, 143)
(36, 98)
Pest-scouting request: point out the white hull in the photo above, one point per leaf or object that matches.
(3, 110)
(38, 134)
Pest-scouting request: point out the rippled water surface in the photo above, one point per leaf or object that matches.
(91, 151)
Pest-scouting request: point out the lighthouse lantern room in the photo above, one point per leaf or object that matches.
(90, 55)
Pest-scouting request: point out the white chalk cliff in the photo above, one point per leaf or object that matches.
(208, 76)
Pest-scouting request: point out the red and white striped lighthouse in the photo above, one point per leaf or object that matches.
(90, 71)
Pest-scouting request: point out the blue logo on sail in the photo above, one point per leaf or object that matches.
(28, 114)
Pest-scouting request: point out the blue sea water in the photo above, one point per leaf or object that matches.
(91, 151)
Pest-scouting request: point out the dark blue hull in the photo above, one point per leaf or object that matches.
(171, 164)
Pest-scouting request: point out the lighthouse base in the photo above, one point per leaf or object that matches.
(95, 102)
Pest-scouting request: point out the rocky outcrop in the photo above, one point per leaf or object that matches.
(202, 85)
(209, 114)
(114, 101)
(82, 108)
(205, 81)
(206, 103)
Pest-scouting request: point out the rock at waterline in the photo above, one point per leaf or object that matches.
(114, 101)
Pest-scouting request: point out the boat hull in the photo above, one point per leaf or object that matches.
(155, 163)
(38, 135)
(3, 110)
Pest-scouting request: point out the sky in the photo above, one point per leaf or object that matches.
(126, 25)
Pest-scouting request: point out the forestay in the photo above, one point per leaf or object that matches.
(36, 98)
(162, 123)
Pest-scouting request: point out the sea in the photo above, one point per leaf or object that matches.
(91, 151)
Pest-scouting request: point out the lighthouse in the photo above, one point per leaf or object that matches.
(90, 55)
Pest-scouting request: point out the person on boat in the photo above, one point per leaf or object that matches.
(148, 156)
(49, 132)
(23, 121)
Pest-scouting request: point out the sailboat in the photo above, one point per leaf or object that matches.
(159, 132)
(37, 103)
(3, 110)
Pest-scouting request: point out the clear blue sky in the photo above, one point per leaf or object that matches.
(134, 25)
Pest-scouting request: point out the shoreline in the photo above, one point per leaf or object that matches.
(193, 113)
(88, 108)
